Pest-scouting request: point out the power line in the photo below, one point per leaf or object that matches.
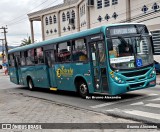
(26, 18)
(27, 12)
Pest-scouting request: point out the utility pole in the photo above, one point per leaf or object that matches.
(2, 49)
(5, 38)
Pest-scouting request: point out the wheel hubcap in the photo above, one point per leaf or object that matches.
(30, 84)
(83, 89)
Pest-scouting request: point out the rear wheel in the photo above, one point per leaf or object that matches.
(30, 85)
(83, 89)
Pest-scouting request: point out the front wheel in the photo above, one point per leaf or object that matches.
(30, 85)
(83, 89)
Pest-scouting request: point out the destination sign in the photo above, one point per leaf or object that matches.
(123, 30)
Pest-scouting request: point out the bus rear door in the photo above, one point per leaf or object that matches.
(98, 59)
(18, 69)
(49, 60)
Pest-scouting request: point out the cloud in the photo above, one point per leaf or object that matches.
(14, 15)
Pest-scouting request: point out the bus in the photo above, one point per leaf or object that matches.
(110, 60)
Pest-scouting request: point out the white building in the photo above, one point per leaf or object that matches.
(77, 15)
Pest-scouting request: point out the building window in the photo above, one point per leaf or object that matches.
(64, 29)
(50, 20)
(114, 2)
(107, 17)
(47, 32)
(51, 31)
(55, 30)
(73, 27)
(68, 15)
(54, 19)
(99, 18)
(69, 28)
(46, 20)
(106, 3)
(99, 4)
(114, 15)
(63, 17)
(73, 14)
(80, 11)
(144, 9)
(155, 6)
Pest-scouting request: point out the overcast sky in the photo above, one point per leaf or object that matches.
(13, 13)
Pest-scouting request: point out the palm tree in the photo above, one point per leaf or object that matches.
(26, 41)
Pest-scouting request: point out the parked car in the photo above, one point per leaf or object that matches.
(157, 67)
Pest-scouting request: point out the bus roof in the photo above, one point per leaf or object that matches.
(67, 37)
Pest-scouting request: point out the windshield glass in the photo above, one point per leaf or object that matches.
(130, 52)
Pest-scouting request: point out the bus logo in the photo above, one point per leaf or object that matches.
(64, 72)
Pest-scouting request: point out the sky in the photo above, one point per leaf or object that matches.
(13, 14)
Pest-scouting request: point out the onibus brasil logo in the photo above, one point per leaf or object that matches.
(64, 72)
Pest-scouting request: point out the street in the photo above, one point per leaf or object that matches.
(20, 105)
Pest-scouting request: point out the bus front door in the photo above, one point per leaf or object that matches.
(49, 60)
(98, 59)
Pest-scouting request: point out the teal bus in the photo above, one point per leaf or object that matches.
(110, 60)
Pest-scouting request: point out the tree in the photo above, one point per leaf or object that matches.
(26, 41)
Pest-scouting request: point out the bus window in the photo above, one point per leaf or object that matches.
(23, 59)
(64, 52)
(79, 50)
(30, 57)
(102, 55)
(39, 56)
(11, 60)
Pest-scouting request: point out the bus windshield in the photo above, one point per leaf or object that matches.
(130, 52)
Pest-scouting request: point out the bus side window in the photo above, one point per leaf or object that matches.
(22, 58)
(11, 60)
(64, 52)
(79, 50)
(30, 57)
(39, 56)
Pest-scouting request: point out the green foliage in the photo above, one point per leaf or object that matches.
(26, 41)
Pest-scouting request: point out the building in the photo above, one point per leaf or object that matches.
(77, 15)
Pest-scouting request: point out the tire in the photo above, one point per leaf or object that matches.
(83, 89)
(30, 85)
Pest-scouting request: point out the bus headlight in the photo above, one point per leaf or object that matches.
(153, 73)
(117, 79)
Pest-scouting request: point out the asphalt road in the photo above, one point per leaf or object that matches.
(142, 105)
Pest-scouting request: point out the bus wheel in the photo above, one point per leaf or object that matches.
(30, 84)
(83, 89)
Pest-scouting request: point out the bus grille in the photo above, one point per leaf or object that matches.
(131, 74)
(136, 85)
